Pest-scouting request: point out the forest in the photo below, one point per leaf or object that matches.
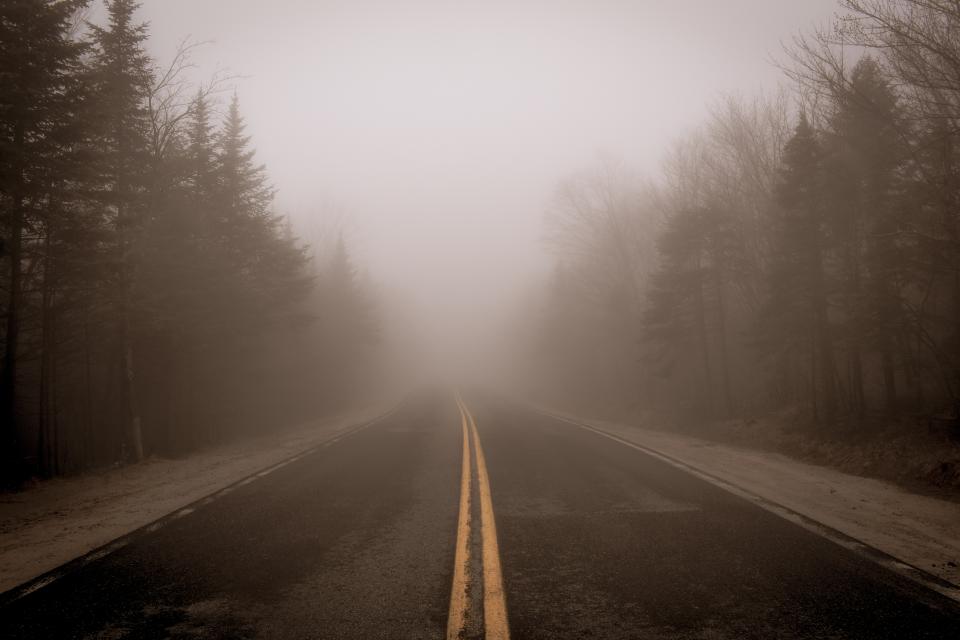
(154, 301)
(800, 255)
(796, 255)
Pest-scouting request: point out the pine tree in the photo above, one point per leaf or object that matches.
(934, 252)
(348, 322)
(347, 298)
(122, 77)
(247, 228)
(797, 309)
(111, 247)
(245, 193)
(38, 60)
(865, 153)
(201, 152)
(687, 299)
(174, 287)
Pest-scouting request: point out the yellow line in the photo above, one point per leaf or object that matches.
(494, 600)
(456, 621)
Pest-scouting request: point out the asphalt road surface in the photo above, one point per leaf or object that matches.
(535, 529)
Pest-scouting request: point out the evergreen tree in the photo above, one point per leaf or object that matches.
(933, 252)
(347, 299)
(247, 228)
(201, 152)
(797, 310)
(245, 193)
(38, 60)
(112, 245)
(122, 77)
(865, 154)
(687, 299)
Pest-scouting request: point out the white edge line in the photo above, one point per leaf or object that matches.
(862, 549)
(48, 578)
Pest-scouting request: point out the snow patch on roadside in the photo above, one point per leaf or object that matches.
(64, 518)
(919, 530)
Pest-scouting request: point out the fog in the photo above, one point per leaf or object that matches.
(445, 319)
(442, 128)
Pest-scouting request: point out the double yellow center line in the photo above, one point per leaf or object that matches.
(494, 602)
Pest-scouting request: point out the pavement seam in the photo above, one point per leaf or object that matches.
(913, 573)
(49, 577)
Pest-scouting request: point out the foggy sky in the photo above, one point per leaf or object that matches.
(444, 126)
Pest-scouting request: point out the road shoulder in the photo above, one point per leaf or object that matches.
(918, 530)
(62, 519)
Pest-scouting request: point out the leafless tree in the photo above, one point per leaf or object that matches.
(174, 94)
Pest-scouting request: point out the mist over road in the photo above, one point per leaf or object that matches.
(728, 232)
(595, 539)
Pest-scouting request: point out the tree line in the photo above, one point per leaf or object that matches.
(802, 249)
(152, 299)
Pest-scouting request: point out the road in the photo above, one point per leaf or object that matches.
(451, 519)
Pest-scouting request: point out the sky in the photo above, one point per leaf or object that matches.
(442, 127)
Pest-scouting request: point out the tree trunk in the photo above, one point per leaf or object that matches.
(824, 341)
(722, 330)
(814, 395)
(701, 311)
(88, 419)
(9, 438)
(133, 436)
(855, 362)
(47, 447)
(134, 433)
(889, 377)
(855, 331)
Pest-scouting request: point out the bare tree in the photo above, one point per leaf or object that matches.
(600, 220)
(173, 96)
